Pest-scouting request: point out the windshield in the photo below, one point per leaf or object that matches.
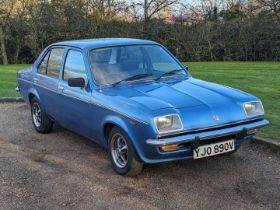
(113, 65)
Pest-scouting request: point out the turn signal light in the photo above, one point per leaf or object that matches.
(170, 147)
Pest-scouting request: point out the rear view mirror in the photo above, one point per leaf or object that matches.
(77, 82)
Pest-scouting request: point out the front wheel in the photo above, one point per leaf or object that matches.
(122, 154)
(40, 120)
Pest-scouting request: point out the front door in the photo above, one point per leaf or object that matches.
(76, 110)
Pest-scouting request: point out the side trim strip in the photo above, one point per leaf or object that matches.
(89, 102)
(121, 113)
(73, 97)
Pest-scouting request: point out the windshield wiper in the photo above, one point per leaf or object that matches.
(169, 73)
(134, 77)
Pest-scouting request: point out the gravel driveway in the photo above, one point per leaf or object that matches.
(62, 170)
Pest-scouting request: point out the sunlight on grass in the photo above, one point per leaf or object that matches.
(8, 81)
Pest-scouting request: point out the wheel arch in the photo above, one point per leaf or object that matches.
(32, 93)
(106, 129)
(123, 124)
(117, 121)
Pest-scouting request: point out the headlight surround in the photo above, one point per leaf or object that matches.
(168, 123)
(253, 108)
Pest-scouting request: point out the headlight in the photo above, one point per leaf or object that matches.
(253, 108)
(168, 123)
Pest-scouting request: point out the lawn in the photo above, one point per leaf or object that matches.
(259, 78)
(8, 81)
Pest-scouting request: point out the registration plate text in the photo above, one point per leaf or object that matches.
(213, 149)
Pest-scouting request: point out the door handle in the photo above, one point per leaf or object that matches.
(35, 80)
(60, 88)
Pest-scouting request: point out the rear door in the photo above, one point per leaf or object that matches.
(47, 79)
(75, 101)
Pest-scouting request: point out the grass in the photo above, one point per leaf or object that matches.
(259, 78)
(8, 81)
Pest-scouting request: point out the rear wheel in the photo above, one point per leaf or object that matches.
(40, 120)
(122, 154)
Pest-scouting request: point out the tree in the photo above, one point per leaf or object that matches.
(3, 46)
(207, 8)
(6, 10)
(234, 11)
(104, 9)
(149, 8)
(273, 6)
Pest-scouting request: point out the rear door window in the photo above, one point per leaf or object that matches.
(51, 63)
(54, 62)
(43, 66)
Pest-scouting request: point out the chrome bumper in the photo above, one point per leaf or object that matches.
(206, 134)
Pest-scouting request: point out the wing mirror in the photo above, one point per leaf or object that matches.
(186, 67)
(77, 82)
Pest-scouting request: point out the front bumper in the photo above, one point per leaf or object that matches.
(211, 134)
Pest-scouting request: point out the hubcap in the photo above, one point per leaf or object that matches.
(119, 150)
(36, 114)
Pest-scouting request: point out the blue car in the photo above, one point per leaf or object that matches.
(134, 98)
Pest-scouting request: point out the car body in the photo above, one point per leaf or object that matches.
(166, 116)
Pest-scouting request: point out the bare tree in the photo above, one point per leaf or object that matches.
(149, 8)
(133, 11)
(152, 7)
(270, 5)
(203, 7)
(105, 9)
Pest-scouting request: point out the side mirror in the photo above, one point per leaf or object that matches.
(186, 67)
(77, 82)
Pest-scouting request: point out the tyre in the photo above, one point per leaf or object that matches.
(40, 120)
(122, 154)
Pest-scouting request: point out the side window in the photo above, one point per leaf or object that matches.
(74, 66)
(55, 57)
(43, 66)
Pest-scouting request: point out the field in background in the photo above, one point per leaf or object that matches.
(259, 78)
(8, 81)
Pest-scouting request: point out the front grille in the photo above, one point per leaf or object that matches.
(216, 140)
(213, 128)
(209, 141)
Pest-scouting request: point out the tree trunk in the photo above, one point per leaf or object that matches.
(17, 52)
(3, 48)
(109, 12)
(146, 15)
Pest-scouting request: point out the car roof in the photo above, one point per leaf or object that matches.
(102, 42)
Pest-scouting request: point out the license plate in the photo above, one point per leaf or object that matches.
(213, 149)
